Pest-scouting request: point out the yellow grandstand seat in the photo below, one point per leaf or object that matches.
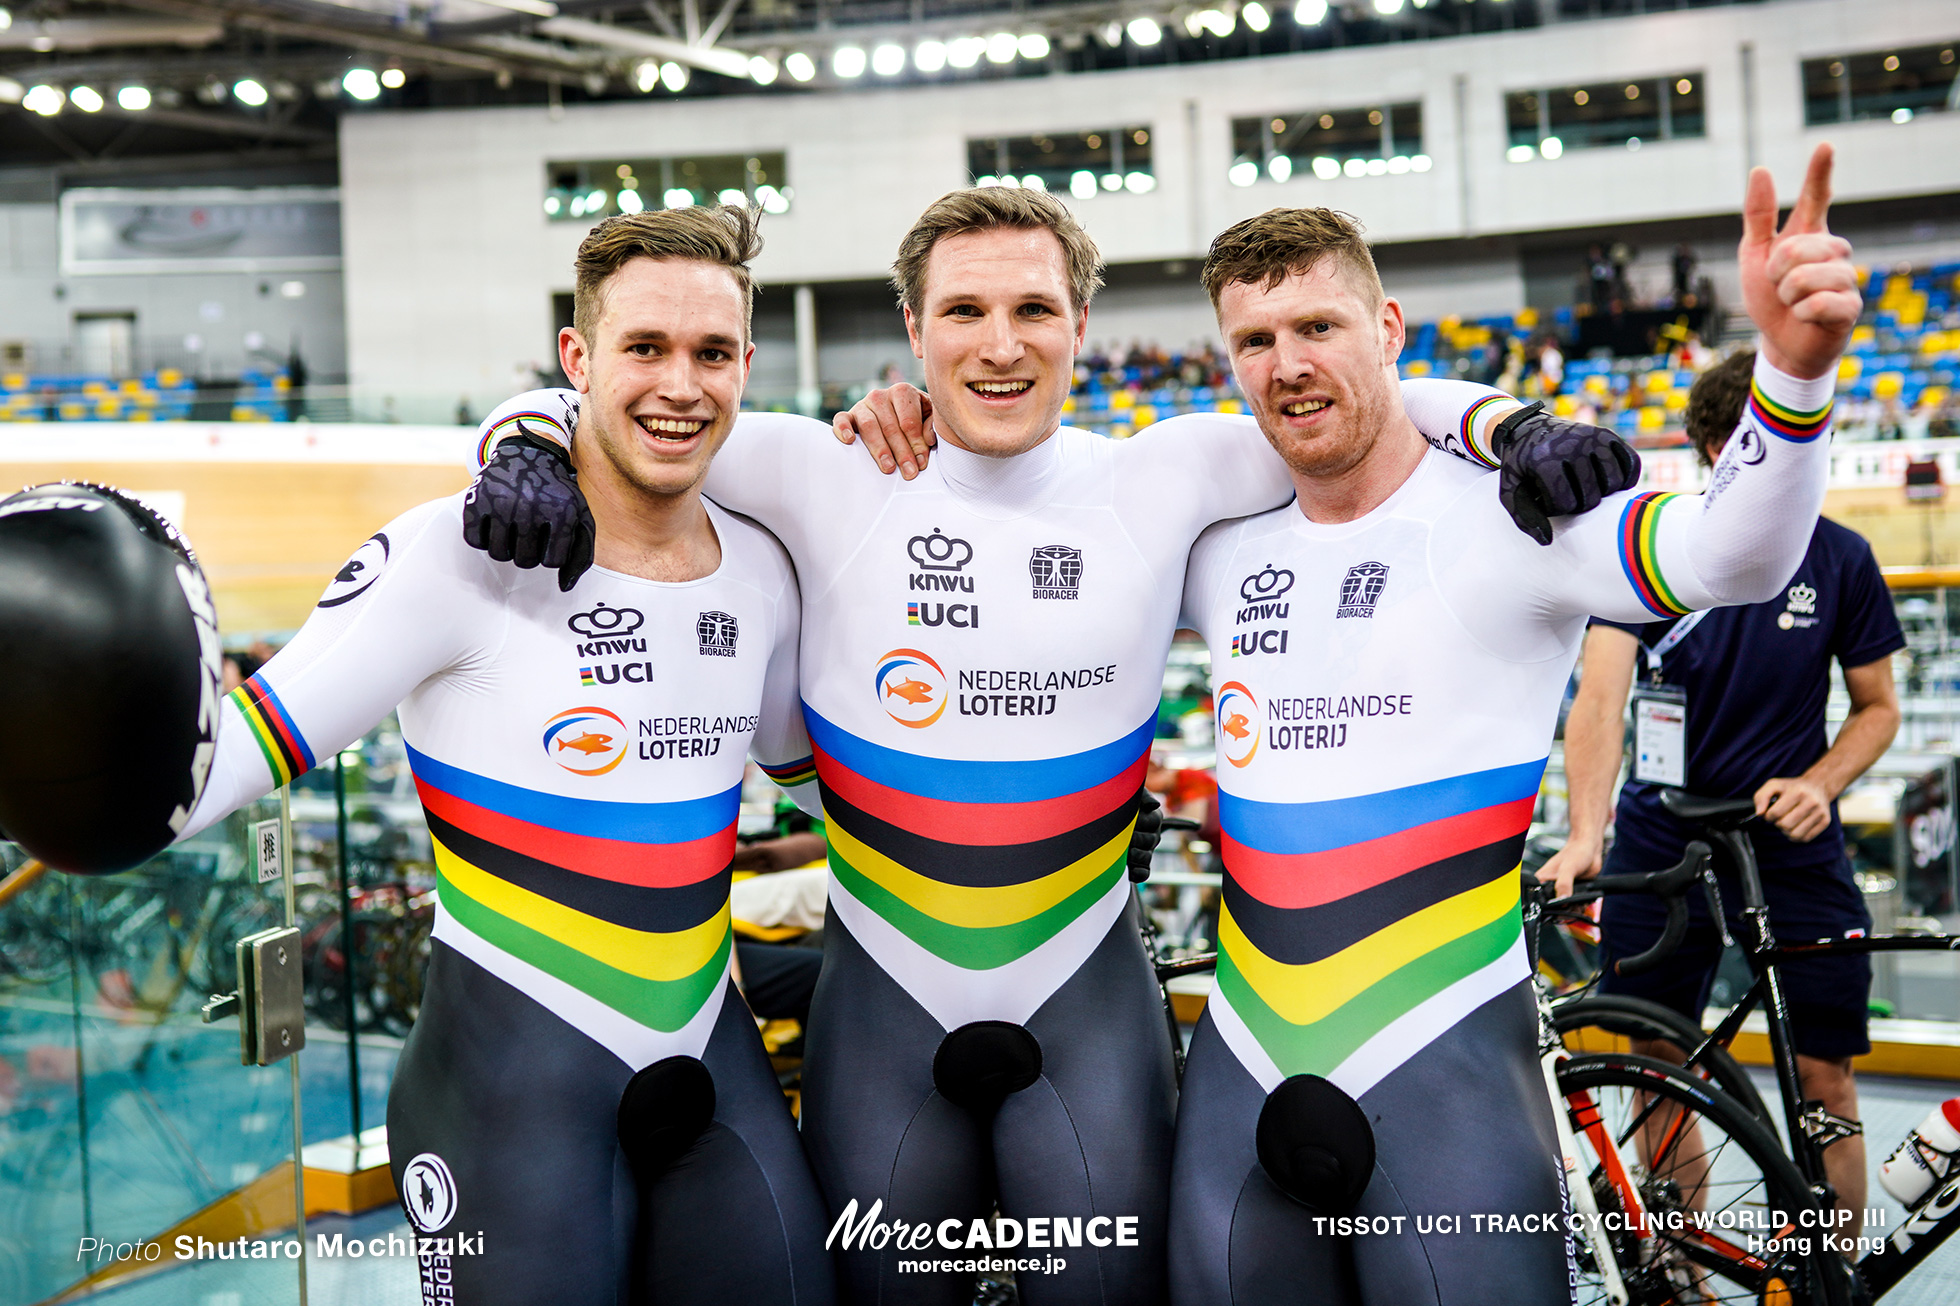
(1675, 401)
(1230, 406)
(13, 381)
(1122, 399)
(1565, 405)
(1653, 419)
(1848, 368)
(1887, 385)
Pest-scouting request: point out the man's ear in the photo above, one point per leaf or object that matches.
(1394, 330)
(912, 334)
(1081, 330)
(572, 355)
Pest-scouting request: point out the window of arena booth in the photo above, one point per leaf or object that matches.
(587, 190)
(1084, 164)
(1328, 143)
(1628, 112)
(1896, 84)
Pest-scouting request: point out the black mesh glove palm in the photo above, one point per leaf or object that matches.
(1554, 467)
(525, 508)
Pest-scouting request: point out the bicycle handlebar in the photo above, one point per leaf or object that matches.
(1670, 885)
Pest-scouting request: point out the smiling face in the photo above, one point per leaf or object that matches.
(663, 374)
(1315, 357)
(998, 333)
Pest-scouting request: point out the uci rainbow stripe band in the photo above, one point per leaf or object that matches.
(1474, 419)
(793, 773)
(512, 425)
(1640, 553)
(1786, 422)
(287, 754)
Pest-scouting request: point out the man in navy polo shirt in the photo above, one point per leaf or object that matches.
(1748, 684)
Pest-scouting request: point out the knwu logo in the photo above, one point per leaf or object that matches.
(940, 557)
(1261, 592)
(1803, 598)
(608, 630)
(1360, 588)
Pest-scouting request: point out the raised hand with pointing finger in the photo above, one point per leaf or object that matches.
(1798, 283)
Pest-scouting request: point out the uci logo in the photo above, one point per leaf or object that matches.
(586, 740)
(911, 687)
(1238, 723)
(1265, 584)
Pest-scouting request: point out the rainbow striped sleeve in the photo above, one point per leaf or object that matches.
(287, 754)
(1784, 421)
(1474, 419)
(1640, 553)
(800, 772)
(514, 425)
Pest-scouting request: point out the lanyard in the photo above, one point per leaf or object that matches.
(1680, 631)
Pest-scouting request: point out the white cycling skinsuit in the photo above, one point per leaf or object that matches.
(1386, 689)
(579, 758)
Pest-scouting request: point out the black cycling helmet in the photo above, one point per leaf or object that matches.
(110, 677)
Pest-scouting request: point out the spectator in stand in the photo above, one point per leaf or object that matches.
(1752, 682)
(1684, 276)
(1551, 368)
(1599, 278)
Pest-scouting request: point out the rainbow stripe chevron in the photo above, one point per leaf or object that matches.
(802, 771)
(979, 863)
(1343, 917)
(1640, 523)
(626, 902)
(1788, 423)
(286, 751)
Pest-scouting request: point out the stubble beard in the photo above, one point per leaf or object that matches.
(1334, 451)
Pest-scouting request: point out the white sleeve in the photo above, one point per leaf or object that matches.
(548, 414)
(1204, 573)
(1449, 413)
(781, 746)
(1204, 467)
(1643, 556)
(361, 652)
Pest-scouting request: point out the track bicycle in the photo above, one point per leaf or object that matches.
(1807, 1126)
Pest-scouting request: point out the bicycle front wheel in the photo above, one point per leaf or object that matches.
(1697, 1202)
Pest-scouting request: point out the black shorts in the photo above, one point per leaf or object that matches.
(1828, 996)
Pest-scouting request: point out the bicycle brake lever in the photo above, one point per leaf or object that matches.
(1179, 823)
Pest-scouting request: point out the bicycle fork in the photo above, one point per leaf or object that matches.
(1575, 1176)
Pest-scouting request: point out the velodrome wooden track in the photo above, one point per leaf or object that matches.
(270, 534)
(273, 511)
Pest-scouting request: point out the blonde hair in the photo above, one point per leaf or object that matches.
(988, 208)
(1281, 242)
(723, 233)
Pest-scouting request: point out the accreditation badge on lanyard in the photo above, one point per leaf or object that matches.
(1660, 717)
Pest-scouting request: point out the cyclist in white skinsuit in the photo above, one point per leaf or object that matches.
(1370, 936)
(584, 1092)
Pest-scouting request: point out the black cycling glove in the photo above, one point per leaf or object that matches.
(525, 508)
(1144, 838)
(1554, 467)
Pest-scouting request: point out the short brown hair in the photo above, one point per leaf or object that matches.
(1281, 242)
(1715, 403)
(988, 208)
(723, 233)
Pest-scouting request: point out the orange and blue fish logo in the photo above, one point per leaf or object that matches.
(586, 740)
(911, 687)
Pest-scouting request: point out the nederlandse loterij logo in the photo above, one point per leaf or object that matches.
(1238, 723)
(911, 687)
(429, 1192)
(586, 740)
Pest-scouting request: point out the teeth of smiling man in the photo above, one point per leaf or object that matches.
(1303, 407)
(1001, 387)
(672, 428)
